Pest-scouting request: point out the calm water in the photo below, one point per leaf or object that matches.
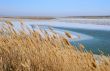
(101, 40)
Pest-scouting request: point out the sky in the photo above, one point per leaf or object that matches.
(54, 7)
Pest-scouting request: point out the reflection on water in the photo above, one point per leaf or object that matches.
(101, 40)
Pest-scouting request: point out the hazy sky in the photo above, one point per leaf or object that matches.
(54, 7)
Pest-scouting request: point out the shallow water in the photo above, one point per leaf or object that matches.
(101, 40)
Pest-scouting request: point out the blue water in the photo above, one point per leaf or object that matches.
(101, 40)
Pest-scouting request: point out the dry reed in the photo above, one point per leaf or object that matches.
(33, 52)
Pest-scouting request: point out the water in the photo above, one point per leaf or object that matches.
(101, 40)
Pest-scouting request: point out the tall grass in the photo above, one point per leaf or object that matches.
(37, 50)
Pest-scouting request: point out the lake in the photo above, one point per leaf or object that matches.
(94, 37)
(101, 40)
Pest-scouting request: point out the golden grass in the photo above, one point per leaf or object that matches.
(21, 51)
(68, 35)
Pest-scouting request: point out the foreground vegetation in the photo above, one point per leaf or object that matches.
(37, 50)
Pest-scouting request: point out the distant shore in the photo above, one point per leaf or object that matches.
(29, 17)
(89, 17)
(55, 17)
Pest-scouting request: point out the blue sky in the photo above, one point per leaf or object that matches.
(54, 7)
